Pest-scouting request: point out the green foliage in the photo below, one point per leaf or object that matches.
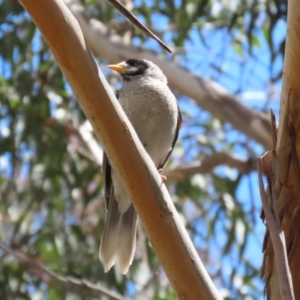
(51, 188)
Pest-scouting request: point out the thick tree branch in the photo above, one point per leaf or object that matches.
(27, 260)
(209, 163)
(209, 95)
(150, 197)
(285, 165)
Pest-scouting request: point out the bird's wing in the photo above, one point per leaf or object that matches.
(106, 167)
(179, 123)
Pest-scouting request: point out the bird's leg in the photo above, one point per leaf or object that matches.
(163, 177)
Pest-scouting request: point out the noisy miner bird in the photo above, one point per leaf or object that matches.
(153, 111)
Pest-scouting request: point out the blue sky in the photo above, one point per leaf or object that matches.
(237, 71)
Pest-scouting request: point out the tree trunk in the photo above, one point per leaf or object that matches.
(285, 165)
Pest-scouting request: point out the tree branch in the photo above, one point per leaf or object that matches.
(209, 163)
(285, 165)
(277, 238)
(207, 94)
(131, 17)
(150, 197)
(25, 259)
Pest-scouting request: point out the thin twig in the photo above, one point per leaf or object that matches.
(278, 240)
(119, 6)
(206, 165)
(24, 259)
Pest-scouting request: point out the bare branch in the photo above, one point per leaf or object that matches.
(277, 238)
(25, 259)
(209, 163)
(207, 94)
(131, 17)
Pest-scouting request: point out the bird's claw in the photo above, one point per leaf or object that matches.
(163, 177)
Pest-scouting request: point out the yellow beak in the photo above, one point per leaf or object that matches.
(116, 68)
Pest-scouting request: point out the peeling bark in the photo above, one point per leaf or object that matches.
(285, 164)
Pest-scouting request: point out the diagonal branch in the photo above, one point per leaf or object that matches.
(25, 259)
(131, 17)
(166, 232)
(209, 163)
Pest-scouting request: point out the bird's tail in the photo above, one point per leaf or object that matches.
(119, 237)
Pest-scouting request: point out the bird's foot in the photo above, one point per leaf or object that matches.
(163, 177)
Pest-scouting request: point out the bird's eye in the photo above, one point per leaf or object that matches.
(133, 63)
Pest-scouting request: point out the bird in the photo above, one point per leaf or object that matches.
(153, 111)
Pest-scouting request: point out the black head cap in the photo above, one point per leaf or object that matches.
(135, 67)
(132, 69)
